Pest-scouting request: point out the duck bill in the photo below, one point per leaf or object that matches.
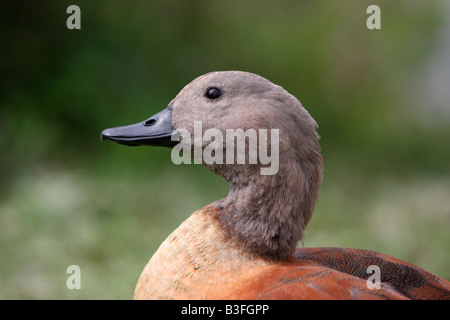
(155, 131)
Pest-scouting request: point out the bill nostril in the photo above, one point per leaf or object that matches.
(149, 122)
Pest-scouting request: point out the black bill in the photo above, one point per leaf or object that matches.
(155, 131)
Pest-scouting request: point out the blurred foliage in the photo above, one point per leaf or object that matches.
(66, 196)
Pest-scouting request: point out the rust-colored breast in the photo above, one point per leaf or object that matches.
(199, 261)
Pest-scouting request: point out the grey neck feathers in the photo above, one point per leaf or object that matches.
(267, 214)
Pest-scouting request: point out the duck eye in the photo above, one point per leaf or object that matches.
(213, 93)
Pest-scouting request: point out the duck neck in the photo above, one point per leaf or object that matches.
(268, 213)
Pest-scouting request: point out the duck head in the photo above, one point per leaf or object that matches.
(265, 212)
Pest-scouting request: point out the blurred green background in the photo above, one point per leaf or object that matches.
(381, 99)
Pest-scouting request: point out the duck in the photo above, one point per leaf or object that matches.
(244, 246)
